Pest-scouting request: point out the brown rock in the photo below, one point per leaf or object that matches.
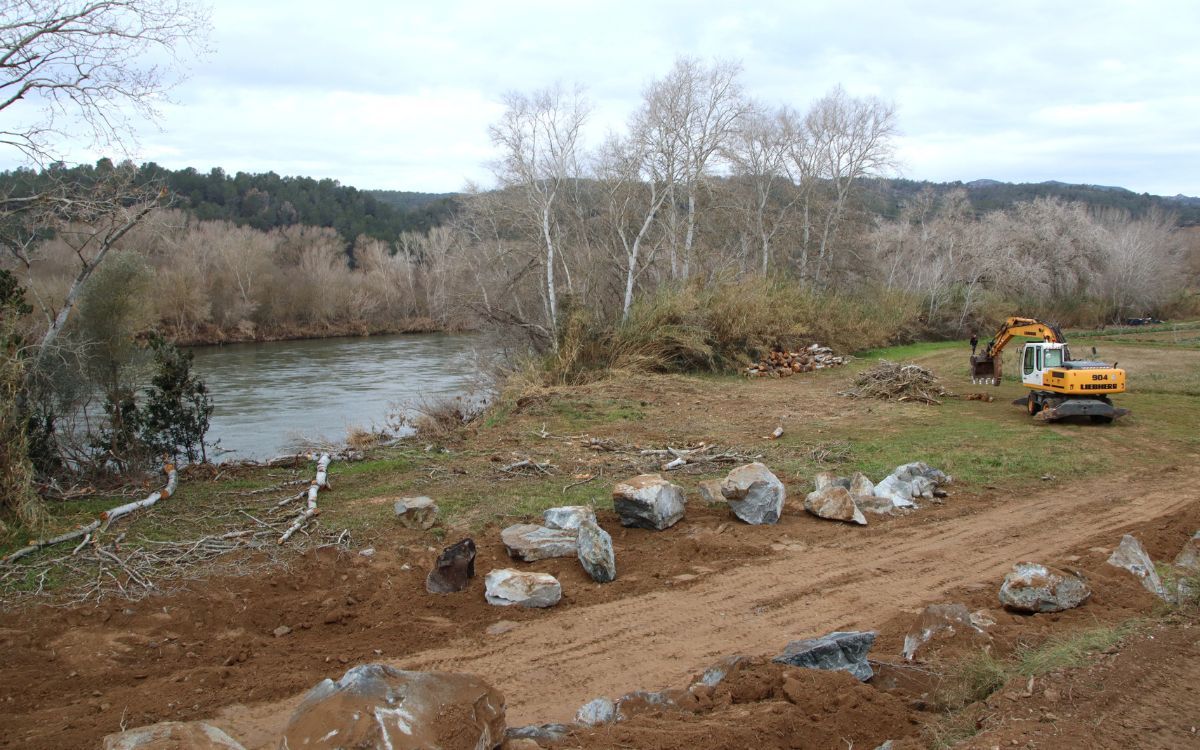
(453, 570)
(172, 735)
(375, 705)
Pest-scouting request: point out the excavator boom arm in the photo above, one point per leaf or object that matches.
(985, 367)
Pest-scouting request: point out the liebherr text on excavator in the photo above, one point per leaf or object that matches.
(1059, 386)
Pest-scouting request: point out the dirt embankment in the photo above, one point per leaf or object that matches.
(702, 590)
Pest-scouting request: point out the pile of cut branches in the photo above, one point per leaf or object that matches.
(893, 381)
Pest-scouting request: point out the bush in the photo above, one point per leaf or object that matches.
(723, 326)
(176, 416)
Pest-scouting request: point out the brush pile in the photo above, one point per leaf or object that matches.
(892, 381)
(781, 364)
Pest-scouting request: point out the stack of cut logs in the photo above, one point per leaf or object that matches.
(780, 364)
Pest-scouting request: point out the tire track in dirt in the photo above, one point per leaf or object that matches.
(547, 668)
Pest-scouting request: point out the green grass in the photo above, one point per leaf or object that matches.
(1070, 651)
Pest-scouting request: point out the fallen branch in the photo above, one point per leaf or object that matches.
(322, 480)
(517, 466)
(111, 515)
(105, 519)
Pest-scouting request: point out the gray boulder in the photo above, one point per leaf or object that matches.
(898, 491)
(755, 495)
(828, 479)
(507, 587)
(525, 541)
(835, 503)
(418, 513)
(710, 492)
(909, 472)
(712, 676)
(860, 485)
(1131, 555)
(846, 651)
(567, 517)
(375, 705)
(595, 712)
(1032, 587)
(596, 553)
(648, 501)
(937, 620)
(172, 735)
(1189, 557)
(538, 732)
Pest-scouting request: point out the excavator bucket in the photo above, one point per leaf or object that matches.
(985, 370)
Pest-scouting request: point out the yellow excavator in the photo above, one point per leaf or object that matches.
(1059, 387)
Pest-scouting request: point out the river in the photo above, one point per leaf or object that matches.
(268, 396)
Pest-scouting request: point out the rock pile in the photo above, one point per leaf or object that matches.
(845, 499)
(779, 363)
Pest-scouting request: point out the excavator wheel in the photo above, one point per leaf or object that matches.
(1033, 404)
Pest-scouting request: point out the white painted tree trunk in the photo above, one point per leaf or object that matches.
(322, 481)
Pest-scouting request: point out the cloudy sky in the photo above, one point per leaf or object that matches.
(399, 95)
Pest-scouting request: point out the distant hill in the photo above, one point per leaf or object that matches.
(409, 201)
(887, 197)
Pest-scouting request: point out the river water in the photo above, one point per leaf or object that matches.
(269, 396)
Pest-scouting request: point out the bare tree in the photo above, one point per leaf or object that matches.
(65, 64)
(539, 138)
(687, 118)
(760, 150)
(82, 63)
(849, 138)
(635, 188)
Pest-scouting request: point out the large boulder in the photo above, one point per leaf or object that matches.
(938, 620)
(172, 735)
(754, 494)
(376, 706)
(596, 553)
(418, 513)
(827, 479)
(909, 472)
(453, 570)
(595, 712)
(845, 651)
(835, 503)
(507, 587)
(648, 501)
(898, 491)
(1032, 587)
(568, 516)
(538, 732)
(710, 492)
(1189, 557)
(525, 541)
(1131, 555)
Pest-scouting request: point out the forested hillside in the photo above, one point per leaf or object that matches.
(263, 201)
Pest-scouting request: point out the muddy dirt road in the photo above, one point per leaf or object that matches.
(849, 579)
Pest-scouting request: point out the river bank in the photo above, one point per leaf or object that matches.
(246, 333)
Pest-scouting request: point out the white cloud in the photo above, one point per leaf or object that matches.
(386, 94)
